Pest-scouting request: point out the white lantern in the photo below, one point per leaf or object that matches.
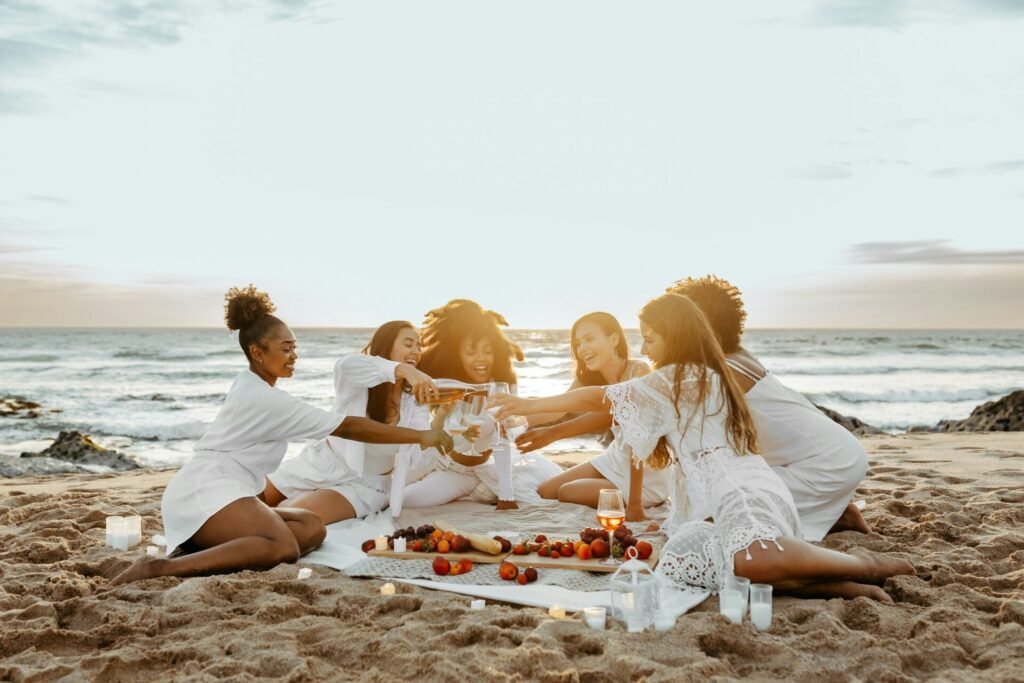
(635, 593)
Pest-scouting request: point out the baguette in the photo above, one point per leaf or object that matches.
(476, 541)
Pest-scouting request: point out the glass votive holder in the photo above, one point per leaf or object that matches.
(730, 605)
(115, 529)
(664, 622)
(133, 530)
(595, 617)
(761, 606)
(738, 583)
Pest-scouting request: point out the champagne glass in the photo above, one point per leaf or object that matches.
(455, 421)
(497, 389)
(475, 416)
(611, 513)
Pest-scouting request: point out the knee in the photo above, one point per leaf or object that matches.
(286, 550)
(548, 490)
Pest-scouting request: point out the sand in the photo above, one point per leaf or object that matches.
(953, 504)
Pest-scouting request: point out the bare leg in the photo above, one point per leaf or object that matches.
(851, 520)
(329, 505)
(583, 491)
(271, 495)
(550, 488)
(306, 526)
(245, 534)
(801, 564)
(838, 589)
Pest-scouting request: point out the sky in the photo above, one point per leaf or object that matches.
(857, 163)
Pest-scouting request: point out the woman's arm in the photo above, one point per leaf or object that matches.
(370, 431)
(588, 423)
(585, 400)
(536, 420)
(635, 508)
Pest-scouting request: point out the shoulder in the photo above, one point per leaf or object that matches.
(637, 368)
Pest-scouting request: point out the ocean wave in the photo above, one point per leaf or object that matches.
(165, 432)
(889, 370)
(162, 398)
(31, 358)
(156, 355)
(908, 396)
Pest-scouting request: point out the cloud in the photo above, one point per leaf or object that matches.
(929, 252)
(49, 199)
(823, 172)
(1009, 166)
(898, 13)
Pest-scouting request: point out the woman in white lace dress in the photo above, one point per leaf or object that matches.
(692, 407)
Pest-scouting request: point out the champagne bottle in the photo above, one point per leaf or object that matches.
(449, 390)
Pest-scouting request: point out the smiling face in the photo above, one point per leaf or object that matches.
(595, 348)
(275, 355)
(654, 346)
(477, 357)
(406, 348)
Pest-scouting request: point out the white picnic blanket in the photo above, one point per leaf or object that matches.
(341, 550)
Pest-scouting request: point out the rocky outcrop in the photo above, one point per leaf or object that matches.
(79, 450)
(1003, 415)
(15, 406)
(851, 424)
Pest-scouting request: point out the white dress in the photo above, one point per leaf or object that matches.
(747, 500)
(246, 441)
(362, 473)
(820, 462)
(507, 475)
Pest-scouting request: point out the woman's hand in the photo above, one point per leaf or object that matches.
(423, 387)
(635, 513)
(436, 438)
(508, 405)
(536, 438)
(506, 505)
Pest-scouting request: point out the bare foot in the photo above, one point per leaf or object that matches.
(506, 505)
(881, 567)
(146, 568)
(851, 520)
(840, 589)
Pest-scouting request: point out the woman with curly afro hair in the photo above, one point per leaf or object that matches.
(212, 511)
(820, 462)
(464, 341)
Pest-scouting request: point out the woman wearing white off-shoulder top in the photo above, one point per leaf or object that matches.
(339, 479)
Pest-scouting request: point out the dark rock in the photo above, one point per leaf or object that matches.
(1003, 415)
(81, 450)
(851, 424)
(15, 406)
(920, 428)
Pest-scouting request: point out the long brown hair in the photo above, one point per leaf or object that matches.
(379, 406)
(446, 329)
(693, 348)
(609, 325)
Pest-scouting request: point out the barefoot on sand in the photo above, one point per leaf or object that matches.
(851, 520)
(146, 568)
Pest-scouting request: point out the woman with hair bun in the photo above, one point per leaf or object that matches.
(211, 508)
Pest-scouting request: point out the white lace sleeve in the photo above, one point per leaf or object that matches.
(642, 413)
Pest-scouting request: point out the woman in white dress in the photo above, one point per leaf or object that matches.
(462, 341)
(211, 508)
(820, 462)
(599, 349)
(691, 407)
(339, 479)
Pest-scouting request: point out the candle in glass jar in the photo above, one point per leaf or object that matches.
(595, 617)
(730, 605)
(115, 528)
(387, 589)
(133, 530)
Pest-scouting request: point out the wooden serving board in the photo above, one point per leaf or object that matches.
(475, 555)
(591, 565)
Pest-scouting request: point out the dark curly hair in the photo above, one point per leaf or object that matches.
(248, 311)
(722, 305)
(447, 328)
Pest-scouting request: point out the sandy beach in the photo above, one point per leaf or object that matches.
(953, 504)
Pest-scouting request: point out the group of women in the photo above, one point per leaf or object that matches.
(753, 471)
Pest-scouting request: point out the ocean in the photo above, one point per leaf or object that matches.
(151, 393)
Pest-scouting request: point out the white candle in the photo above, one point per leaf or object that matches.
(381, 543)
(556, 612)
(304, 573)
(400, 545)
(477, 604)
(133, 530)
(730, 604)
(636, 625)
(159, 540)
(761, 615)
(387, 589)
(595, 617)
(115, 527)
(733, 613)
(152, 550)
